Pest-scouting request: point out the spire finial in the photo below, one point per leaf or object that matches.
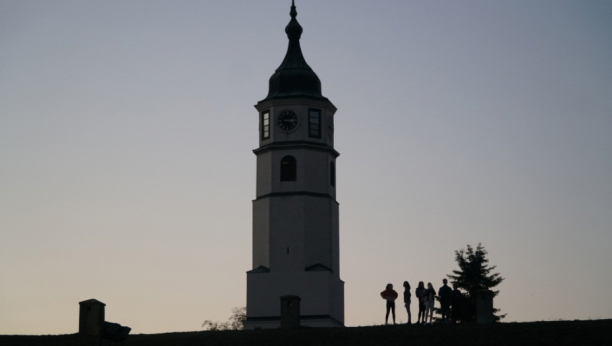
(293, 29)
(293, 12)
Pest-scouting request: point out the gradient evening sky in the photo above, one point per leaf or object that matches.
(126, 171)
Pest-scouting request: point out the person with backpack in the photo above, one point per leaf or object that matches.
(420, 294)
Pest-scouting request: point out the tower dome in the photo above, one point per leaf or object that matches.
(294, 78)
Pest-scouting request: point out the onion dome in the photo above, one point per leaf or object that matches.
(294, 78)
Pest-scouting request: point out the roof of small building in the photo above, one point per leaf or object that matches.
(290, 297)
(294, 78)
(92, 302)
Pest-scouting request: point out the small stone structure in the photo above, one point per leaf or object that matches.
(114, 332)
(290, 312)
(484, 307)
(91, 316)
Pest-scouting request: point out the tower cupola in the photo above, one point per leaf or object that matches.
(294, 78)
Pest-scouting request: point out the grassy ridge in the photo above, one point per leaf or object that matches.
(597, 332)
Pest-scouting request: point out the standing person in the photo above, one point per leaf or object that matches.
(456, 304)
(407, 296)
(430, 294)
(446, 298)
(389, 295)
(420, 294)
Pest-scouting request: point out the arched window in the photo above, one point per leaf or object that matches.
(332, 174)
(288, 169)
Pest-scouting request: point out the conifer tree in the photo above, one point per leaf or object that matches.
(474, 274)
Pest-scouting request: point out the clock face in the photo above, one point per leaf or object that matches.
(287, 120)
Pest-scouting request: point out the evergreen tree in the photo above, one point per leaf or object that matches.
(474, 274)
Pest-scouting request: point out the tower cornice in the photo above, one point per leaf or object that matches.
(296, 145)
(291, 101)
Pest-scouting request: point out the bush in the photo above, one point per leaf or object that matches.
(235, 322)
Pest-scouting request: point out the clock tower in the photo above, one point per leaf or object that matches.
(295, 213)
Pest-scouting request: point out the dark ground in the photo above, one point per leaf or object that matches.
(598, 332)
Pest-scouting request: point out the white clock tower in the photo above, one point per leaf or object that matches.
(295, 215)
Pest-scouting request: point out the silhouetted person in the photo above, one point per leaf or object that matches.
(456, 303)
(389, 295)
(446, 298)
(420, 294)
(430, 295)
(407, 296)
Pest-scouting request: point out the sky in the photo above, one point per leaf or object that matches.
(127, 173)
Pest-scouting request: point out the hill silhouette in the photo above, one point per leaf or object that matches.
(594, 332)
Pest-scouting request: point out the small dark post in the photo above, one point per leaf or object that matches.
(91, 316)
(290, 312)
(484, 307)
